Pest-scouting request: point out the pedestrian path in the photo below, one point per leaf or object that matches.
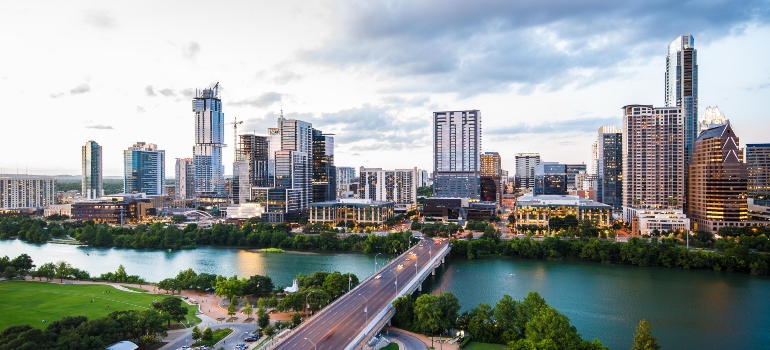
(119, 287)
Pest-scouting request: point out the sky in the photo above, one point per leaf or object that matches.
(544, 74)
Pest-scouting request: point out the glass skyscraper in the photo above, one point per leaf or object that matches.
(324, 172)
(682, 86)
(92, 170)
(456, 154)
(609, 166)
(209, 140)
(144, 169)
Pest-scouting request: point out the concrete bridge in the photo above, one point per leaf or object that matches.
(357, 316)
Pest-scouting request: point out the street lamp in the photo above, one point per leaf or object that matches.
(395, 273)
(306, 304)
(375, 262)
(366, 309)
(311, 342)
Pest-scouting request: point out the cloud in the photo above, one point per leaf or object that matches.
(191, 50)
(491, 46)
(580, 125)
(99, 19)
(150, 90)
(99, 127)
(261, 101)
(286, 76)
(57, 95)
(80, 89)
(167, 92)
(140, 109)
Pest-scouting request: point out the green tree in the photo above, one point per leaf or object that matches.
(207, 334)
(427, 314)
(247, 310)
(231, 308)
(171, 308)
(196, 334)
(643, 339)
(296, 319)
(506, 314)
(120, 274)
(229, 287)
(63, 270)
(263, 319)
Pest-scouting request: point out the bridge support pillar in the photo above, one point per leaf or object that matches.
(433, 272)
(419, 287)
(442, 260)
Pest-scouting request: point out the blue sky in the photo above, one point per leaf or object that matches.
(545, 74)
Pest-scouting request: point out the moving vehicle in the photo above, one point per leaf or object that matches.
(377, 277)
(400, 265)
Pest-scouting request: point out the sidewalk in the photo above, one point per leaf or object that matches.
(425, 340)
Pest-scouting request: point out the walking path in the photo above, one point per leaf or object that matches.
(404, 336)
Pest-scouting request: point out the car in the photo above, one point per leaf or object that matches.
(400, 265)
(407, 259)
(377, 277)
(420, 244)
(250, 339)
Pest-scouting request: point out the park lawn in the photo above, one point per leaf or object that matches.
(139, 290)
(474, 345)
(25, 302)
(391, 346)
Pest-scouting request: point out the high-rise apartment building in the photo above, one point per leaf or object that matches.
(293, 163)
(27, 191)
(572, 171)
(144, 169)
(609, 166)
(184, 175)
(491, 178)
(324, 172)
(345, 177)
(653, 157)
(456, 154)
(525, 170)
(550, 179)
(758, 164)
(399, 186)
(209, 140)
(717, 186)
(490, 164)
(254, 151)
(92, 170)
(682, 86)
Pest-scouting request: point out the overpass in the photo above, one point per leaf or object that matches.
(355, 317)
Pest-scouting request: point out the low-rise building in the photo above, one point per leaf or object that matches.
(114, 209)
(644, 221)
(538, 210)
(58, 209)
(363, 212)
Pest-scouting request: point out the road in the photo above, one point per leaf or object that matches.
(234, 338)
(337, 326)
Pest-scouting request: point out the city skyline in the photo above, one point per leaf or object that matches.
(556, 76)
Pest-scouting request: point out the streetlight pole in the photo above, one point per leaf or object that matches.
(306, 304)
(395, 273)
(366, 309)
(375, 262)
(311, 342)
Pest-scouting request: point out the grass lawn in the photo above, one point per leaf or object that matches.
(31, 302)
(140, 290)
(474, 345)
(391, 346)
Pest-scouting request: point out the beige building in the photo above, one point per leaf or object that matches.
(27, 191)
(538, 210)
(398, 186)
(645, 221)
(363, 212)
(653, 158)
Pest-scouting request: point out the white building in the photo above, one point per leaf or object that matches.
(185, 174)
(27, 191)
(58, 209)
(244, 210)
(644, 221)
(209, 140)
(398, 186)
(457, 154)
(346, 176)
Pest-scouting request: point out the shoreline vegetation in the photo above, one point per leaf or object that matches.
(740, 250)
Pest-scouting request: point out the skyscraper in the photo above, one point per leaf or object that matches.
(324, 172)
(712, 117)
(525, 170)
(491, 178)
(609, 166)
(293, 162)
(682, 86)
(758, 163)
(717, 186)
(144, 169)
(550, 179)
(254, 150)
(653, 157)
(399, 186)
(209, 140)
(92, 170)
(185, 175)
(345, 177)
(456, 153)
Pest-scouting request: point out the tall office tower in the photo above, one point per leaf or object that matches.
(27, 191)
(423, 178)
(239, 184)
(209, 140)
(653, 158)
(324, 172)
(185, 178)
(398, 186)
(491, 178)
(572, 171)
(144, 169)
(456, 153)
(525, 170)
(92, 170)
(345, 177)
(551, 179)
(490, 164)
(758, 163)
(293, 163)
(682, 86)
(717, 192)
(254, 151)
(609, 166)
(712, 117)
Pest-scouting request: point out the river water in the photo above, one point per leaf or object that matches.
(688, 309)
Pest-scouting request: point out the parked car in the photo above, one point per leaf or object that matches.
(251, 339)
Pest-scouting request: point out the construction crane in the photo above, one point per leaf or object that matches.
(235, 135)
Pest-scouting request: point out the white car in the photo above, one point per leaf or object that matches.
(377, 277)
(400, 265)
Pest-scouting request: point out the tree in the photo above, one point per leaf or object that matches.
(247, 308)
(231, 308)
(120, 274)
(229, 287)
(296, 319)
(171, 308)
(63, 270)
(263, 319)
(258, 285)
(47, 270)
(207, 334)
(196, 333)
(427, 313)
(643, 339)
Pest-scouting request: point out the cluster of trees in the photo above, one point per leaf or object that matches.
(77, 332)
(223, 286)
(19, 266)
(120, 275)
(23, 265)
(428, 314)
(31, 230)
(667, 252)
(319, 289)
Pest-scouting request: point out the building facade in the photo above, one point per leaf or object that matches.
(682, 86)
(144, 169)
(185, 179)
(27, 191)
(572, 171)
(345, 177)
(254, 150)
(456, 153)
(324, 172)
(362, 212)
(758, 164)
(609, 166)
(293, 163)
(209, 140)
(647, 221)
(491, 184)
(525, 170)
(398, 186)
(550, 179)
(717, 186)
(539, 210)
(92, 170)
(653, 157)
